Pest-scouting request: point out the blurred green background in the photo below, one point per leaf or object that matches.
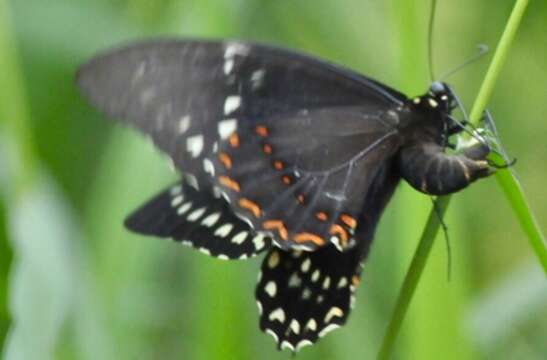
(82, 287)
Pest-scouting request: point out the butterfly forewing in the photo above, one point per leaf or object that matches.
(192, 96)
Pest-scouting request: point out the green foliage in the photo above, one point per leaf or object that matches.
(105, 293)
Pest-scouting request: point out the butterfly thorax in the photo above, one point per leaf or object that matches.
(426, 118)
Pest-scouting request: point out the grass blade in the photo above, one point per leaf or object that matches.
(426, 241)
(514, 193)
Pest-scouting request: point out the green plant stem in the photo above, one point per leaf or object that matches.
(428, 236)
(413, 276)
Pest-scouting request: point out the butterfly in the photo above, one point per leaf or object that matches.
(280, 153)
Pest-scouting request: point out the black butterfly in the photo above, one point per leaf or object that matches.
(282, 153)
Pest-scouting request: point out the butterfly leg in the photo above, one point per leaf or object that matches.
(428, 169)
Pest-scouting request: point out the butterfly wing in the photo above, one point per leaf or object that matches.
(192, 97)
(303, 178)
(304, 295)
(199, 220)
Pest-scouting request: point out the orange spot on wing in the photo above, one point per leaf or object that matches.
(321, 215)
(267, 148)
(251, 206)
(300, 198)
(276, 225)
(262, 131)
(286, 180)
(234, 140)
(225, 159)
(229, 183)
(355, 280)
(348, 220)
(278, 165)
(307, 237)
(336, 229)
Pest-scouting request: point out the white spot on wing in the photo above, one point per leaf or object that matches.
(326, 283)
(211, 219)
(177, 200)
(273, 260)
(328, 329)
(257, 78)
(208, 167)
(176, 190)
(334, 311)
(273, 334)
(287, 345)
(336, 241)
(258, 240)
(295, 280)
(231, 104)
(192, 181)
(226, 128)
(278, 314)
(205, 251)
(196, 214)
(217, 193)
(311, 325)
(342, 283)
(315, 275)
(295, 326)
(184, 208)
(228, 66)
(306, 294)
(184, 124)
(194, 145)
(306, 265)
(270, 288)
(224, 230)
(240, 237)
(235, 48)
(302, 344)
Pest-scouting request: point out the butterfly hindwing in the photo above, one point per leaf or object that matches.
(304, 295)
(199, 220)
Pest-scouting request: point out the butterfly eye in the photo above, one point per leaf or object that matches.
(438, 88)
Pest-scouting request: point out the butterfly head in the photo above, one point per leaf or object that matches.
(440, 96)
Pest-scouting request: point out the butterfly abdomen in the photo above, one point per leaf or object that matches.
(430, 170)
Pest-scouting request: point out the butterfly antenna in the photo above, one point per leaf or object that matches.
(446, 237)
(430, 39)
(482, 50)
